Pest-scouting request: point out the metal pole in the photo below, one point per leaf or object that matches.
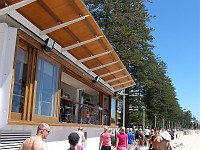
(163, 124)
(123, 110)
(143, 119)
(124, 94)
(155, 120)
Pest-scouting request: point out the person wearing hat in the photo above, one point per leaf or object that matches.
(165, 141)
(81, 135)
(105, 139)
(73, 141)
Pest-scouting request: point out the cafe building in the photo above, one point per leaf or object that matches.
(57, 67)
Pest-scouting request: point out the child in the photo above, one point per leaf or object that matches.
(73, 141)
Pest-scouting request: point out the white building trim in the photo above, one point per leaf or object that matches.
(8, 37)
(80, 44)
(10, 8)
(102, 66)
(61, 25)
(93, 57)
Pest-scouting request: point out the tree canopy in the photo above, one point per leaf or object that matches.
(124, 22)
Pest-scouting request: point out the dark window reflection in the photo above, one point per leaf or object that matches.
(20, 81)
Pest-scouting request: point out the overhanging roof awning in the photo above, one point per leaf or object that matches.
(72, 27)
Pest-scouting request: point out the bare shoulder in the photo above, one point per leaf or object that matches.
(158, 138)
(27, 144)
(39, 144)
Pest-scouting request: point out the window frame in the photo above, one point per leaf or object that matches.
(27, 48)
(34, 116)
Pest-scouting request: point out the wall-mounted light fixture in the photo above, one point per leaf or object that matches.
(96, 79)
(48, 46)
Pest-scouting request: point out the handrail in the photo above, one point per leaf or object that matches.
(70, 100)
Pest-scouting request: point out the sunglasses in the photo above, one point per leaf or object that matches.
(46, 130)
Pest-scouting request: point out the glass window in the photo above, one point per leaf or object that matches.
(47, 88)
(20, 80)
(113, 110)
(106, 110)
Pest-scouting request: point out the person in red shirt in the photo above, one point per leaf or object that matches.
(105, 140)
(122, 139)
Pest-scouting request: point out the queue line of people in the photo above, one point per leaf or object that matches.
(151, 140)
(106, 136)
(124, 140)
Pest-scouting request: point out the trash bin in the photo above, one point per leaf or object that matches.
(85, 134)
(85, 143)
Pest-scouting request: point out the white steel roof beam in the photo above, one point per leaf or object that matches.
(123, 87)
(79, 44)
(120, 83)
(92, 57)
(10, 8)
(61, 25)
(103, 66)
(107, 74)
(116, 79)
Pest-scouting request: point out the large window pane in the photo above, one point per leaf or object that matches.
(20, 81)
(106, 110)
(47, 88)
(113, 110)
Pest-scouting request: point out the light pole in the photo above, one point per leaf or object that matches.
(163, 124)
(155, 120)
(124, 94)
(143, 108)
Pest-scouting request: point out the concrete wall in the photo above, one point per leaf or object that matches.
(7, 49)
(58, 136)
(91, 144)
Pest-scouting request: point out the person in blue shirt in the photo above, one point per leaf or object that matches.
(131, 139)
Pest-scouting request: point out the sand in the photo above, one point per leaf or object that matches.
(187, 141)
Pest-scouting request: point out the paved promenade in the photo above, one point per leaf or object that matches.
(189, 141)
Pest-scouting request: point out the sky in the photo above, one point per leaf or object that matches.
(177, 41)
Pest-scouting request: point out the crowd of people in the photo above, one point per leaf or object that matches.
(135, 140)
(76, 139)
(121, 139)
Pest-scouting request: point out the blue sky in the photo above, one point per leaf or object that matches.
(177, 41)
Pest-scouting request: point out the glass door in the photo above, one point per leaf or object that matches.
(20, 87)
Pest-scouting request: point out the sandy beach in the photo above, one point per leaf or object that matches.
(189, 141)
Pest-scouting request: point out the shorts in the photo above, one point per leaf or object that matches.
(121, 148)
(147, 136)
(105, 147)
